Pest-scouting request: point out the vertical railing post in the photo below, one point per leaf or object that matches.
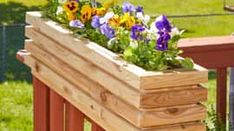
(231, 100)
(222, 94)
(74, 118)
(96, 127)
(40, 106)
(56, 112)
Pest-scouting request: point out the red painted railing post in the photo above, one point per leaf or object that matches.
(40, 106)
(96, 127)
(74, 118)
(56, 112)
(222, 94)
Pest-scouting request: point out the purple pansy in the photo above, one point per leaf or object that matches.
(162, 41)
(136, 32)
(139, 9)
(96, 22)
(128, 7)
(76, 23)
(107, 31)
(162, 23)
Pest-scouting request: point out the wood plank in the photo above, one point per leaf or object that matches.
(93, 110)
(175, 96)
(170, 115)
(194, 126)
(161, 116)
(203, 50)
(40, 105)
(159, 98)
(74, 118)
(206, 41)
(131, 74)
(56, 112)
(110, 101)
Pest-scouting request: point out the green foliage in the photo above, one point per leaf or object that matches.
(213, 124)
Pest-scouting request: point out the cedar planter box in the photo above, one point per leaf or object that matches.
(117, 95)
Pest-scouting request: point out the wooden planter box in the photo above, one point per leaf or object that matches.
(116, 95)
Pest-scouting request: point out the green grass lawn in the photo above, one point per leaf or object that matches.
(15, 106)
(16, 96)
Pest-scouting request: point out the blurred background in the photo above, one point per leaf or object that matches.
(198, 18)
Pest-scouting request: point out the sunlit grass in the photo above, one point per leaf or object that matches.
(15, 106)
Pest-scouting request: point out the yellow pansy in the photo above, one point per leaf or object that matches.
(99, 11)
(71, 16)
(109, 4)
(115, 21)
(127, 20)
(71, 6)
(86, 13)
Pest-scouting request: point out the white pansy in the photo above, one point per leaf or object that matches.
(175, 31)
(59, 10)
(144, 18)
(153, 28)
(107, 17)
(159, 18)
(62, 1)
(139, 15)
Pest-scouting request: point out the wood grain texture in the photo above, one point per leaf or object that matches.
(194, 126)
(136, 77)
(147, 118)
(94, 111)
(147, 99)
(110, 101)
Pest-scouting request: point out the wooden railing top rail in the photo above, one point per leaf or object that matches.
(213, 53)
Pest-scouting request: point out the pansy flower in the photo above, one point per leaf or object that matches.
(163, 24)
(86, 13)
(76, 24)
(139, 9)
(136, 32)
(115, 21)
(99, 11)
(96, 22)
(107, 31)
(162, 41)
(107, 17)
(143, 18)
(127, 20)
(128, 7)
(71, 6)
